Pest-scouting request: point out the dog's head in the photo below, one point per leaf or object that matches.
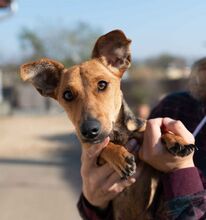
(90, 91)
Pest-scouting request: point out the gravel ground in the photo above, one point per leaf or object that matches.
(39, 168)
(32, 136)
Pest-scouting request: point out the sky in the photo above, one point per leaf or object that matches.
(155, 26)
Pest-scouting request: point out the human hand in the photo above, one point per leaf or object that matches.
(101, 183)
(154, 152)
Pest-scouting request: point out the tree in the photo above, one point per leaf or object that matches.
(67, 45)
(163, 61)
(31, 41)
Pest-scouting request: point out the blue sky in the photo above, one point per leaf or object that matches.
(155, 26)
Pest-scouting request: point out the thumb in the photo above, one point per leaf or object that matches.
(132, 146)
(90, 155)
(140, 153)
(95, 150)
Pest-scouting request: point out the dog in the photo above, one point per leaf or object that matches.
(91, 96)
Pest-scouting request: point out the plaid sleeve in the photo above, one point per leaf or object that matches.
(90, 212)
(190, 207)
(185, 196)
(167, 107)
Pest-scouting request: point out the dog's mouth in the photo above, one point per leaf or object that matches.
(100, 138)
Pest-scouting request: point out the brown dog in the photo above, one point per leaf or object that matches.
(91, 96)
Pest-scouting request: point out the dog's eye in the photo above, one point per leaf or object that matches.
(68, 95)
(102, 85)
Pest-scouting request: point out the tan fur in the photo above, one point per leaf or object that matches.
(115, 155)
(111, 57)
(83, 80)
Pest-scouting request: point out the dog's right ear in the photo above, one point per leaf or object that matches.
(44, 75)
(113, 50)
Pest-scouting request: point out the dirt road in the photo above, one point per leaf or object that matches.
(39, 168)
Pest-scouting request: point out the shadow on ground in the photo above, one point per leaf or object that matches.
(69, 156)
(66, 157)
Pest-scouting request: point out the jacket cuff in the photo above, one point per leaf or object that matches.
(90, 212)
(181, 182)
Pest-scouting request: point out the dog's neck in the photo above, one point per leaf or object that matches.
(125, 125)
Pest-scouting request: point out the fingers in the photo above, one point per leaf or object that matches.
(114, 185)
(115, 182)
(101, 192)
(89, 156)
(153, 128)
(152, 137)
(177, 127)
(104, 171)
(95, 150)
(121, 185)
(111, 180)
(132, 146)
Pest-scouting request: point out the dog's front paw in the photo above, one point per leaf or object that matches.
(130, 167)
(124, 163)
(176, 145)
(120, 159)
(181, 150)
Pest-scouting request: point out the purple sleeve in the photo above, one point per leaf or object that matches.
(182, 182)
(185, 196)
(90, 212)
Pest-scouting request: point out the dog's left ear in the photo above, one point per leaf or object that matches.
(44, 74)
(113, 50)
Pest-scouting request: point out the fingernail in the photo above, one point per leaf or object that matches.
(133, 180)
(131, 145)
(106, 141)
(133, 142)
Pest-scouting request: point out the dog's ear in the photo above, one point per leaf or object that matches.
(43, 74)
(113, 49)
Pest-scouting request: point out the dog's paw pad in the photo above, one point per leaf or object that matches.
(129, 167)
(130, 159)
(176, 145)
(181, 150)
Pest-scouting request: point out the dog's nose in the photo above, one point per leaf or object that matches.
(90, 128)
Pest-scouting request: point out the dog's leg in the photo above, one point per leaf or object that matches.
(176, 145)
(120, 159)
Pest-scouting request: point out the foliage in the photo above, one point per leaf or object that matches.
(69, 45)
(164, 61)
(30, 40)
(157, 67)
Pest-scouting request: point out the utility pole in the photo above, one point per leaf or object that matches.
(7, 8)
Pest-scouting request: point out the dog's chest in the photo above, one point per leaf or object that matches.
(135, 202)
(126, 127)
(120, 134)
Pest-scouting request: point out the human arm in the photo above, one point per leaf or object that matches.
(100, 186)
(184, 195)
(183, 191)
(177, 170)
